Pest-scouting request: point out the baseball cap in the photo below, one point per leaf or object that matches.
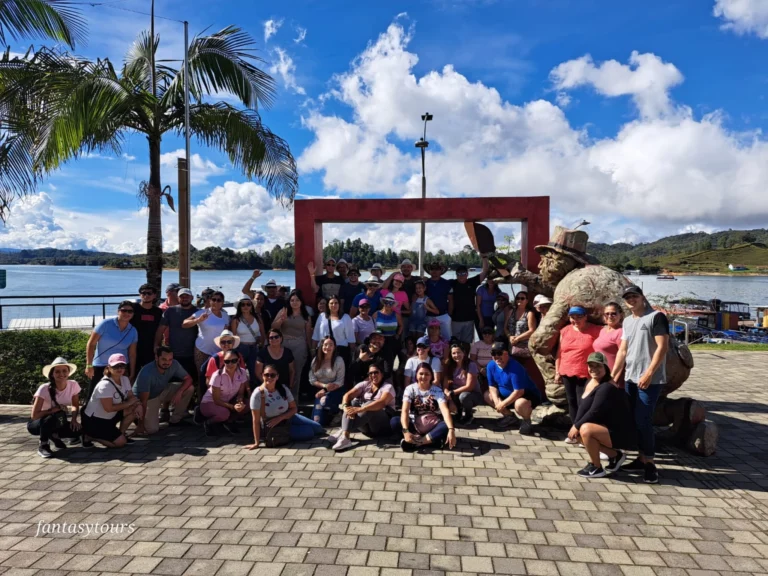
(423, 342)
(577, 310)
(363, 302)
(499, 346)
(399, 277)
(632, 290)
(597, 357)
(487, 330)
(433, 322)
(406, 262)
(117, 359)
(185, 292)
(172, 287)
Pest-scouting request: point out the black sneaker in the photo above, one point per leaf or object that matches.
(614, 464)
(75, 441)
(408, 446)
(651, 475)
(44, 450)
(526, 428)
(636, 465)
(209, 430)
(197, 416)
(469, 417)
(165, 416)
(231, 427)
(591, 471)
(87, 443)
(59, 443)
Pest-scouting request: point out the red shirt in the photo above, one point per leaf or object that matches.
(575, 348)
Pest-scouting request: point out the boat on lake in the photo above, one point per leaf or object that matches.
(665, 277)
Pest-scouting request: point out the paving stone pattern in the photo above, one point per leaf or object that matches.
(500, 503)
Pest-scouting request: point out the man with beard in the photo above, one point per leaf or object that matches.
(371, 351)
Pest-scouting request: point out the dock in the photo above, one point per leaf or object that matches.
(69, 323)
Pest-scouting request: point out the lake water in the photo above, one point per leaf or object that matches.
(71, 280)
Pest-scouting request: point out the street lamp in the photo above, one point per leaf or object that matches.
(582, 223)
(422, 144)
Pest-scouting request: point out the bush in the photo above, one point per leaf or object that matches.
(24, 353)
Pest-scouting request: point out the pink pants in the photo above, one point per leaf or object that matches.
(215, 413)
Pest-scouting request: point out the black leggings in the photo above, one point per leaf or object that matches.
(47, 426)
(574, 389)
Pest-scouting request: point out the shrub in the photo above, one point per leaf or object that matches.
(24, 353)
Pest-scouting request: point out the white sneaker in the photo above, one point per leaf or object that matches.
(342, 444)
(569, 441)
(333, 438)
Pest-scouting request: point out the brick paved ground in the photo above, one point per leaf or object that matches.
(501, 503)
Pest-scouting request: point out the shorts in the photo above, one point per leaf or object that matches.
(101, 429)
(533, 397)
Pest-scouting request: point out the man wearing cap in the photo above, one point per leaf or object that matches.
(463, 306)
(377, 271)
(371, 350)
(171, 296)
(342, 268)
(180, 340)
(351, 288)
(274, 303)
(439, 291)
(644, 344)
(146, 318)
(372, 294)
(328, 284)
(159, 382)
(510, 387)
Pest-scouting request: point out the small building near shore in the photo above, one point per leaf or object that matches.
(736, 268)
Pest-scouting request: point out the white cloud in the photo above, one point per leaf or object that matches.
(563, 99)
(128, 157)
(201, 168)
(286, 69)
(647, 79)
(301, 33)
(659, 172)
(271, 27)
(744, 16)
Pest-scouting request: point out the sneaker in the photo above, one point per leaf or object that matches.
(333, 438)
(87, 443)
(604, 457)
(165, 416)
(651, 475)
(342, 444)
(614, 464)
(468, 419)
(209, 431)
(635, 466)
(75, 441)
(408, 446)
(526, 428)
(507, 422)
(569, 441)
(197, 417)
(231, 427)
(44, 450)
(591, 471)
(58, 442)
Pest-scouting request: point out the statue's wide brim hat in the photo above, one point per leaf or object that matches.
(571, 243)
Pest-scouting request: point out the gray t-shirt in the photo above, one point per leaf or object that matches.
(150, 380)
(181, 340)
(640, 334)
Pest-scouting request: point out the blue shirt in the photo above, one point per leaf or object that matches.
(150, 380)
(372, 300)
(512, 377)
(438, 291)
(113, 341)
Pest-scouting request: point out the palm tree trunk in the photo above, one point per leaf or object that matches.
(154, 228)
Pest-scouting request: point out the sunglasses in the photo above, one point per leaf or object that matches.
(230, 342)
(374, 372)
(233, 361)
(119, 366)
(330, 265)
(495, 353)
(147, 293)
(217, 300)
(610, 313)
(275, 337)
(126, 310)
(462, 273)
(269, 375)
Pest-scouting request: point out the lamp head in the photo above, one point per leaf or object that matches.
(426, 117)
(422, 143)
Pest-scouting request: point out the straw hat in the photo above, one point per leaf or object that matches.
(227, 334)
(571, 243)
(59, 362)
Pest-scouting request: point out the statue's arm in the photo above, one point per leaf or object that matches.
(534, 283)
(543, 339)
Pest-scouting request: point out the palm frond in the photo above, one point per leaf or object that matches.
(56, 19)
(252, 147)
(223, 62)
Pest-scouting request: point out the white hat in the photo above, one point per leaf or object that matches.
(541, 299)
(226, 334)
(377, 266)
(341, 261)
(58, 362)
(372, 280)
(271, 283)
(406, 262)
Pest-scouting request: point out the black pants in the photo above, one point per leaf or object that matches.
(574, 389)
(47, 426)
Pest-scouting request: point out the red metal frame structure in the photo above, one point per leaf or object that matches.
(310, 215)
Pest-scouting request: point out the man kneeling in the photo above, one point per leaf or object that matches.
(510, 387)
(159, 382)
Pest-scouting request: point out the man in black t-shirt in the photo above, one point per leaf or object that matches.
(328, 284)
(181, 340)
(146, 319)
(370, 352)
(350, 289)
(463, 308)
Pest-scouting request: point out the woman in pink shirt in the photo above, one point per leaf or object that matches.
(223, 402)
(51, 417)
(402, 303)
(609, 340)
(576, 344)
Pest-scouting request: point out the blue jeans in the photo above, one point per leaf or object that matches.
(643, 403)
(327, 406)
(438, 433)
(302, 428)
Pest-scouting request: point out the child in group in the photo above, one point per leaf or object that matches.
(437, 343)
(420, 305)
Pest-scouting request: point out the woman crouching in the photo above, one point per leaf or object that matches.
(432, 424)
(223, 401)
(50, 411)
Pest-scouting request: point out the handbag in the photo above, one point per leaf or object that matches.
(59, 417)
(424, 423)
(520, 352)
(279, 435)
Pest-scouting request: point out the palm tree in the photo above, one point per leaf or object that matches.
(64, 106)
(54, 19)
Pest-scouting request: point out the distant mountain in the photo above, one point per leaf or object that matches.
(10, 249)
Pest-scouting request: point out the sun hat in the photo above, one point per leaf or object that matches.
(632, 290)
(433, 322)
(438, 264)
(185, 292)
(576, 311)
(244, 298)
(399, 277)
(172, 287)
(423, 342)
(389, 299)
(271, 283)
(225, 334)
(373, 280)
(59, 362)
(541, 299)
(571, 243)
(116, 359)
(376, 266)
(598, 358)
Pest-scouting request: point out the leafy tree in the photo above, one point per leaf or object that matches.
(62, 106)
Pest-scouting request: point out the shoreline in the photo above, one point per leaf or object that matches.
(198, 269)
(720, 274)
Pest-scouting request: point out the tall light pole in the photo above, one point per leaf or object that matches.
(423, 145)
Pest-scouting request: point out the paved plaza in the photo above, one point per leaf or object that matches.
(499, 503)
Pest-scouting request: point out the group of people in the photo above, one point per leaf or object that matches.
(387, 356)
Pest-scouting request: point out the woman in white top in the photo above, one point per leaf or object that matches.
(250, 329)
(51, 420)
(111, 395)
(343, 330)
(327, 373)
(210, 322)
(425, 419)
(423, 354)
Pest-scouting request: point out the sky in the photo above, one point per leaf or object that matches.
(646, 119)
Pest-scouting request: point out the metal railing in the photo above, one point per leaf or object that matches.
(58, 311)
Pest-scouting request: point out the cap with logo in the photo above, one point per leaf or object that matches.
(185, 292)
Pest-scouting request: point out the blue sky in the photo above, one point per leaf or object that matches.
(645, 118)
